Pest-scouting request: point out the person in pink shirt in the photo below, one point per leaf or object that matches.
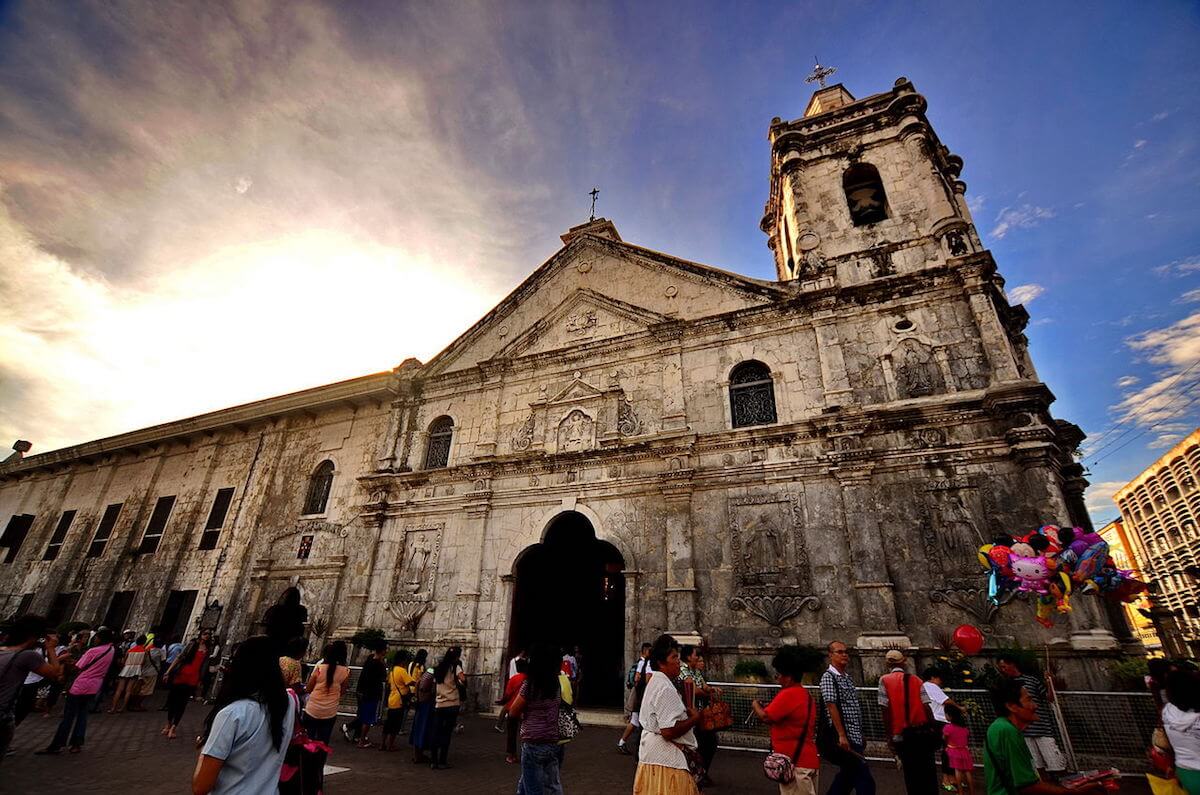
(957, 737)
(92, 667)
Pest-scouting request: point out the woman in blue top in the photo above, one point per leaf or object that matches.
(247, 734)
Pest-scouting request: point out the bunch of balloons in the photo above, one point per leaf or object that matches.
(1050, 563)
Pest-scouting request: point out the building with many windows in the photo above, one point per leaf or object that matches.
(1160, 510)
(628, 443)
(1138, 613)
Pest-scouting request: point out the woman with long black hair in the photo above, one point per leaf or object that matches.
(448, 677)
(248, 731)
(536, 706)
(184, 676)
(325, 687)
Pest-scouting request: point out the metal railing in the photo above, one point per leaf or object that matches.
(1096, 729)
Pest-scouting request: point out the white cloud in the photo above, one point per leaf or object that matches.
(975, 203)
(1180, 267)
(1024, 293)
(1126, 381)
(1161, 115)
(1140, 143)
(1175, 350)
(1099, 496)
(1026, 216)
(243, 184)
(1189, 297)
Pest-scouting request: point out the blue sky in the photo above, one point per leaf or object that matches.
(204, 204)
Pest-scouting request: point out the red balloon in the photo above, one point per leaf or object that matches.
(968, 639)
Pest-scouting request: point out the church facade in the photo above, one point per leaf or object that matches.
(629, 443)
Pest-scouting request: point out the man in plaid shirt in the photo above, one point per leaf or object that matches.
(843, 718)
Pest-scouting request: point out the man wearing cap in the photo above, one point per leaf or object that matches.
(906, 712)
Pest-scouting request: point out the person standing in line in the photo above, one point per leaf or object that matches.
(152, 668)
(1007, 761)
(535, 707)
(418, 664)
(174, 649)
(448, 677)
(369, 689)
(184, 676)
(636, 687)
(667, 726)
(19, 657)
(109, 684)
(420, 737)
(93, 667)
(792, 716)
(905, 707)
(843, 715)
(246, 736)
(27, 695)
(697, 694)
(956, 735)
(291, 665)
(502, 718)
(285, 619)
(1181, 722)
(400, 687)
(210, 671)
(513, 723)
(1039, 734)
(325, 687)
(129, 678)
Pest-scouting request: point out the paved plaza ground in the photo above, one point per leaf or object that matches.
(124, 753)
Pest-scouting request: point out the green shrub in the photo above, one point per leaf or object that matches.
(751, 669)
(368, 638)
(1129, 674)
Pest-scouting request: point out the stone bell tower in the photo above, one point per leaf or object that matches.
(863, 188)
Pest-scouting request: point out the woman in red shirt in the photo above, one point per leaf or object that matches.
(511, 689)
(184, 675)
(792, 717)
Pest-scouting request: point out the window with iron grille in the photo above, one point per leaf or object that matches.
(104, 530)
(318, 488)
(751, 395)
(216, 519)
(437, 451)
(14, 535)
(156, 525)
(60, 535)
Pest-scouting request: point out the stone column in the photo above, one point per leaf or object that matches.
(869, 575)
(674, 409)
(469, 562)
(833, 366)
(387, 448)
(992, 337)
(682, 617)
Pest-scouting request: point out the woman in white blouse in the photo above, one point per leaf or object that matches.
(666, 726)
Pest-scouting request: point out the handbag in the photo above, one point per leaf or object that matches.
(716, 716)
(568, 723)
(781, 768)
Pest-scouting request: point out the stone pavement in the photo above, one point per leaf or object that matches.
(124, 753)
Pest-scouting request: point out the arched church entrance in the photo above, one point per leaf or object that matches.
(570, 591)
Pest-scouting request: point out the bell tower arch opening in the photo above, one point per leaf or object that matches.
(570, 592)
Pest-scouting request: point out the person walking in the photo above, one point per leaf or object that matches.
(93, 667)
(400, 689)
(697, 694)
(667, 728)
(1007, 760)
(956, 737)
(1181, 721)
(291, 665)
(635, 684)
(792, 716)
(285, 619)
(535, 706)
(129, 678)
(184, 677)
(1038, 734)
(938, 702)
(909, 725)
(22, 655)
(512, 689)
(209, 673)
(325, 687)
(843, 726)
(152, 668)
(448, 678)
(246, 736)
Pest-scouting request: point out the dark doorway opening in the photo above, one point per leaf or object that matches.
(118, 610)
(570, 591)
(177, 614)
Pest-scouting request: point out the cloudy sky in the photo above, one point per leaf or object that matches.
(203, 204)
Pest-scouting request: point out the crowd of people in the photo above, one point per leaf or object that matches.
(270, 725)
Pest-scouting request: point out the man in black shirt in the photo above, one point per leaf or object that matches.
(370, 694)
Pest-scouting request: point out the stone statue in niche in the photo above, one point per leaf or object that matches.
(575, 432)
(419, 559)
(764, 552)
(917, 373)
(767, 547)
(958, 535)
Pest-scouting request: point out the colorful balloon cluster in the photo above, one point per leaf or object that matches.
(1050, 563)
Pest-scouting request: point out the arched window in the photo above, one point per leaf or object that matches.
(751, 395)
(318, 488)
(864, 194)
(437, 451)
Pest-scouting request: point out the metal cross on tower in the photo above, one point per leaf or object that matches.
(819, 73)
(594, 193)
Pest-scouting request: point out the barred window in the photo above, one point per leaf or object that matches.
(216, 519)
(157, 524)
(318, 488)
(104, 530)
(751, 395)
(437, 451)
(60, 535)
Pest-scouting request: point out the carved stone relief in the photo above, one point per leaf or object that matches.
(917, 372)
(628, 423)
(419, 562)
(767, 544)
(576, 432)
(581, 321)
(523, 438)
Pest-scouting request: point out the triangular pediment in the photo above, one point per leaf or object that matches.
(584, 316)
(626, 287)
(575, 391)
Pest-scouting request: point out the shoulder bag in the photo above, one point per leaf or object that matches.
(924, 737)
(568, 721)
(781, 768)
